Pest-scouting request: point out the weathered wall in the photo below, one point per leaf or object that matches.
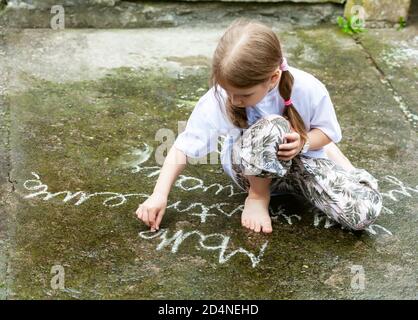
(49, 3)
(380, 10)
(160, 13)
(127, 14)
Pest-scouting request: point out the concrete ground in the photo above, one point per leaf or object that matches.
(79, 112)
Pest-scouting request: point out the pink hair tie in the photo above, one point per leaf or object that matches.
(284, 66)
(288, 102)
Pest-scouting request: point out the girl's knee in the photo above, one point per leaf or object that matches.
(271, 117)
(274, 120)
(256, 150)
(357, 202)
(362, 213)
(272, 126)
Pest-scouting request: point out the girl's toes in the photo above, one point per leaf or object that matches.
(267, 229)
(257, 227)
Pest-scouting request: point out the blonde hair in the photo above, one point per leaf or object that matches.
(247, 55)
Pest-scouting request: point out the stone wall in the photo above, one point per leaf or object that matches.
(380, 11)
(136, 14)
(48, 3)
(160, 13)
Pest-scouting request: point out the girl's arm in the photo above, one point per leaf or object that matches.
(152, 210)
(317, 139)
(173, 165)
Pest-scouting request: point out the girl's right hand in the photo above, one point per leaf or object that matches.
(151, 212)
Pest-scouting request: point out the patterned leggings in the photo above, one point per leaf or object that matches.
(350, 198)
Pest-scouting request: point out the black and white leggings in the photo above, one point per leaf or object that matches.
(350, 198)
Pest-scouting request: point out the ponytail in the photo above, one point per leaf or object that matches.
(290, 112)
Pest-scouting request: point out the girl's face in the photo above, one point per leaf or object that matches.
(248, 97)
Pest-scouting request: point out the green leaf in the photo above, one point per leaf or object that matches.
(341, 22)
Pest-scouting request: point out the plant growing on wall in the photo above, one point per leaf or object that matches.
(401, 23)
(351, 25)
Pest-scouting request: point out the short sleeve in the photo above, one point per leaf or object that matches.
(323, 115)
(201, 135)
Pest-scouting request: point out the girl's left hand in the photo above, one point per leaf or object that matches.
(291, 149)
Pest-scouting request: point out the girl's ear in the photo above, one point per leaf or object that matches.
(275, 77)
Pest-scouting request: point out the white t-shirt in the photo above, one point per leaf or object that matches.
(209, 120)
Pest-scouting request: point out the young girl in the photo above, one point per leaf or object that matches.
(280, 128)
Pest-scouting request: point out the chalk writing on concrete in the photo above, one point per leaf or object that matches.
(197, 183)
(280, 212)
(401, 189)
(180, 236)
(321, 219)
(113, 199)
(204, 209)
(187, 183)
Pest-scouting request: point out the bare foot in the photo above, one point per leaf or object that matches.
(255, 215)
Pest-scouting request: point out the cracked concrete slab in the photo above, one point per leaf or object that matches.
(82, 151)
(3, 111)
(136, 48)
(4, 171)
(396, 54)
